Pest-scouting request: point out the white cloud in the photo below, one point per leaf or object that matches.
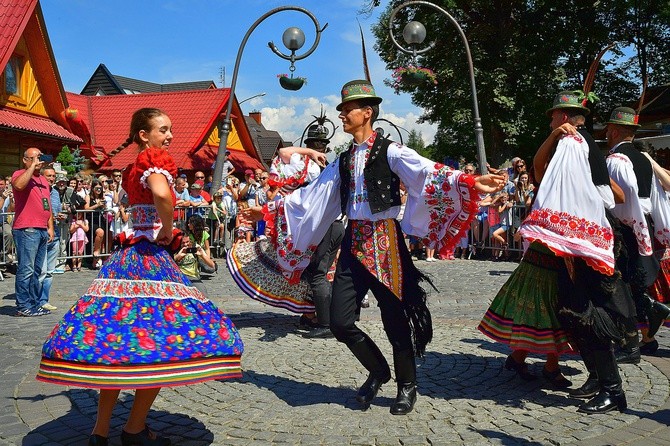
(292, 114)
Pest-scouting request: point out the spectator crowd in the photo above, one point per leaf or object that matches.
(89, 210)
(92, 210)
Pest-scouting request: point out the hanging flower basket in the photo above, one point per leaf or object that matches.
(291, 83)
(413, 76)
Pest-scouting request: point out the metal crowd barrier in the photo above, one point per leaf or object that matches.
(479, 238)
(103, 219)
(483, 241)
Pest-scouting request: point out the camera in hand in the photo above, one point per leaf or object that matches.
(45, 158)
(191, 250)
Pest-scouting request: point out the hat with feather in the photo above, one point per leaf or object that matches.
(579, 99)
(360, 89)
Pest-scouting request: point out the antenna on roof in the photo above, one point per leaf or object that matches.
(222, 76)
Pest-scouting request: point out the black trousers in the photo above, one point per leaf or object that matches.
(316, 273)
(352, 282)
(639, 271)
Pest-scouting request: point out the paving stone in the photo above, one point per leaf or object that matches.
(302, 392)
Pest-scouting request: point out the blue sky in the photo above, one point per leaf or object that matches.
(180, 41)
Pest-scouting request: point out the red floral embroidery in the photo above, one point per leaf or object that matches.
(446, 227)
(642, 236)
(567, 225)
(285, 251)
(374, 246)
(363, 197)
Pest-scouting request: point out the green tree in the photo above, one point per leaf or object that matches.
(415, 141)
(524, 52)
(66, 160)
(71, 161)
(79, 162)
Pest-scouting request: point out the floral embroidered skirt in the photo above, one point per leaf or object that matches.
(141, 324)
(523, 313)
(255, 269)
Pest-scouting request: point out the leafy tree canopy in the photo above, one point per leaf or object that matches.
(524, 53)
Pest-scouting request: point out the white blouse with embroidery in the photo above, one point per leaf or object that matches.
(440, 203)
(632, 211)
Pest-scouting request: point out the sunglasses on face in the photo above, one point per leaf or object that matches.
(199, 178)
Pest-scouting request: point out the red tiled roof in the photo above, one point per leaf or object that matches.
(14, 16)
(240, 160)
(35, 124)
(193, 115)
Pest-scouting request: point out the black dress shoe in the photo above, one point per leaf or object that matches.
(649, 348)
(556, 379)
(589, 389)
(521, 369)
(404, 401)
(604, 402)
(628, 356)
(319, 333)
(97, 440)
(144, 438)
(370, 387)
(306, 323)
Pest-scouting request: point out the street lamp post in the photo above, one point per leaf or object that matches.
(259, 95)
(414, 34)
(294, 39)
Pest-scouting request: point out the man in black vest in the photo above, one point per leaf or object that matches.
(374, 255)
(633, 172)
(592, 306)
(358, 111)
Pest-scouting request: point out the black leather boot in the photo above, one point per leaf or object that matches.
(611, 395)
(405, 375)
(657, 313)
(591, 386)
(630, 352)
(369, 355)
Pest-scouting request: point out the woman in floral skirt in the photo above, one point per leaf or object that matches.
(141, 324)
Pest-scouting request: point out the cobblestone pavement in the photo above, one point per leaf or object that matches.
(297, 391)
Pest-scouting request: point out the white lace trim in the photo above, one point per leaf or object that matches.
(150, 170)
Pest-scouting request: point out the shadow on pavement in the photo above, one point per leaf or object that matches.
(276, 325)
(494, 272)
(75, 427)
(506, 439)
(467, 376)
(11, 297)
(296, 393)
(8, 311)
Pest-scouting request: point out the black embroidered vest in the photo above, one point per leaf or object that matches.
(599, 174)
(641, 167)
(382, 185)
